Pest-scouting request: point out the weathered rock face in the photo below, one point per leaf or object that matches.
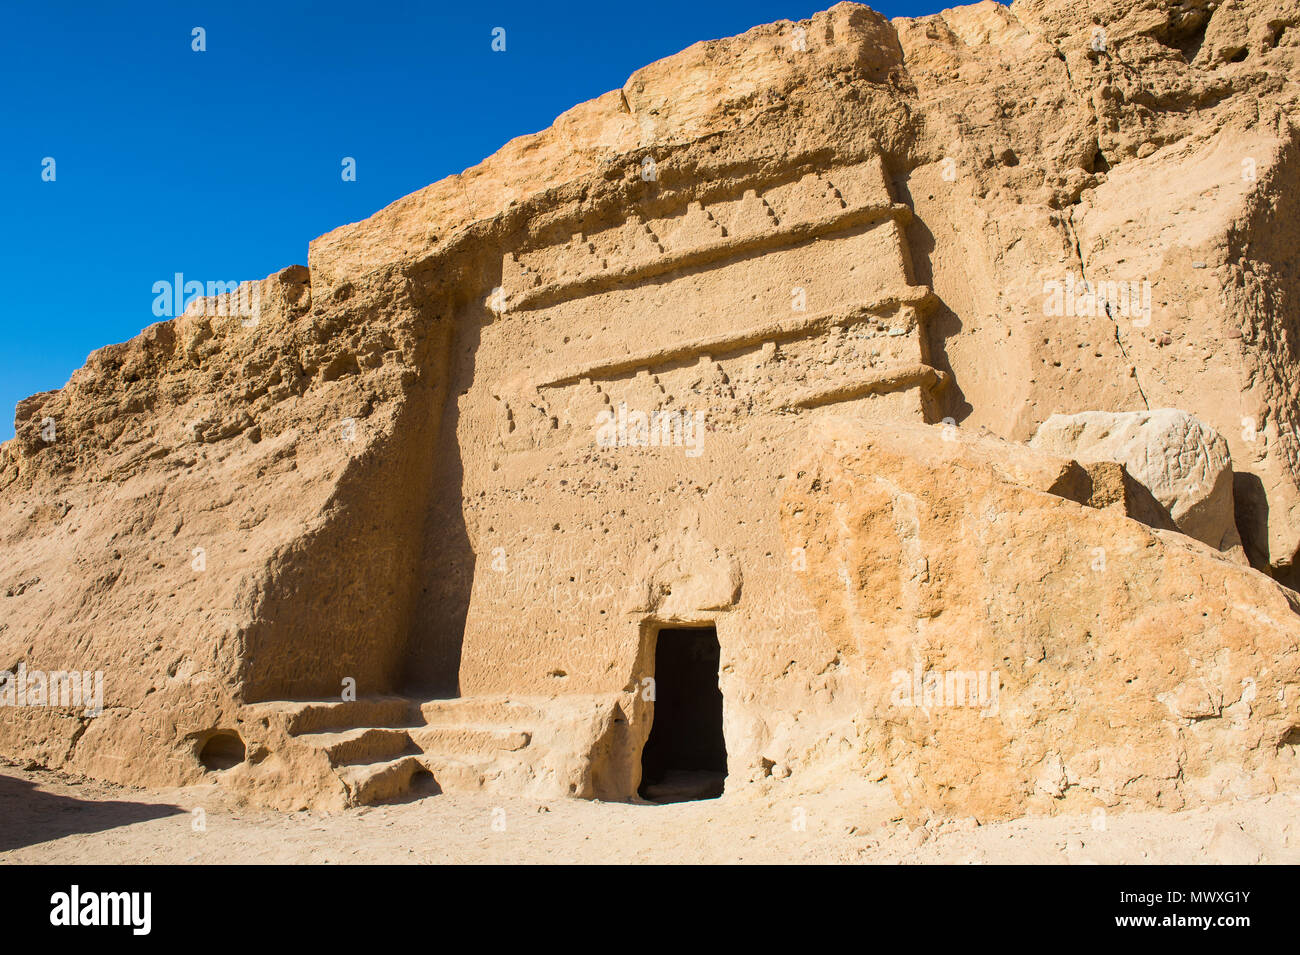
(1185, 465)
(1017, 651)
(1146, 166)
(492, 439)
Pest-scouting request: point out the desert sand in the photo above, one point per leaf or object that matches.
(47, 817)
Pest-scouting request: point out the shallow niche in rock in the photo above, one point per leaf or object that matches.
(423, 783)
(1290, 742)
(220, 750)
(345, 364)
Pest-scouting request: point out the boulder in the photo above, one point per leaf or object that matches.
(1183, 462)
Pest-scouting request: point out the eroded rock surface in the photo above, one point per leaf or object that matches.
(1185, 464)
(1018, 651)
(468, 461)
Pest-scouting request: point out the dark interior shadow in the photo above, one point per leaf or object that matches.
(1250, 509)
(432, 668)
(29, 816)
(942, 323)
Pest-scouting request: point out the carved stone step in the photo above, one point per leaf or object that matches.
(314, 716)
(470, 739)
(490, 710)
(362, 745)
(404, 777)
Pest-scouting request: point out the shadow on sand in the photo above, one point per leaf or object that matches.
(29, 816)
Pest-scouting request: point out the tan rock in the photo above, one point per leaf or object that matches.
(1232, 845)
(423, 521)
(1184, 463)
(1022, 652)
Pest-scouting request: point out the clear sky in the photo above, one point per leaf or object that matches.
(223, 164)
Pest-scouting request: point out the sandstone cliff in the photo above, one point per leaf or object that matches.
(1047, 208)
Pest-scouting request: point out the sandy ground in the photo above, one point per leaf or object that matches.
(52, 818)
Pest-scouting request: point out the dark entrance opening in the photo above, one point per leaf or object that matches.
(222, 750)
(685, 757)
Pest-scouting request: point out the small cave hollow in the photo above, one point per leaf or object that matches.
(222, 750)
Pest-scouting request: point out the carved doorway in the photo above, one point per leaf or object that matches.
(685, 756)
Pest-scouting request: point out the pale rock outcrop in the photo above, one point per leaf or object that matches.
(681, 572)
(1018, 651)
(1183, 462)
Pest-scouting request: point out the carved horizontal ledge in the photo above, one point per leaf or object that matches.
(916, 297)
(727, 247)
(897, 378)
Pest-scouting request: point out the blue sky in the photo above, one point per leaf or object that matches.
(223, 164)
